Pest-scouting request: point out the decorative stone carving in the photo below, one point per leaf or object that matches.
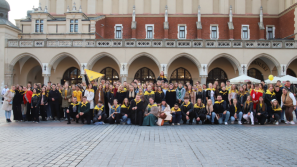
(157, 43)
(103, 43)
(224, 44)
(117, 43)
(130, 43)
(39, 43)
(183, 44)
(77, 43)
(51, 43)
(26, 43)
(64, 43)
(144, 43)
(170, 44)
(197, 44)
(13, 43)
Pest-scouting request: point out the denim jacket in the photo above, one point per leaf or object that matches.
(115, 109)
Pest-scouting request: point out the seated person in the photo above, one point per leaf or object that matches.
(248, 110)
(115, 113)
(261, 111)
(200, 112)
(72, 110)
(165, 111)
(125, 111)
(84, 111)
(235, 112)
(176, 114)
(187, 111)
(151, 113)
(221, 111)
(276, 112)
(99, 113)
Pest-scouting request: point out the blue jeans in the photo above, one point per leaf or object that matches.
(48, 111)
(213, 115)
(176, 117)
(224, 117)
(239, 117)
(213, 100)
(126, 120)
(7, 114)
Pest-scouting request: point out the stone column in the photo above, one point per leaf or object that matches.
(83, 66)
(203, 79)
(8, 80)
(124, 77)
(123, 72)
(203, 71)
(243, 70)
(46, 78)
(46, 73)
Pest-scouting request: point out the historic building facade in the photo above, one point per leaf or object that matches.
(190, 40)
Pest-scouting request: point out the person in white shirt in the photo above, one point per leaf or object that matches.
(4, 90)
(288, 102)
(89, 93)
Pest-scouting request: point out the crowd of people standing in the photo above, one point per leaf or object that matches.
(151, 103)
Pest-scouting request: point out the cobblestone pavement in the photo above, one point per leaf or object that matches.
(58, 144)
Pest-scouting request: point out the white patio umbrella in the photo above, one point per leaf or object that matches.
(244, 79)
(275, 79)
(285, 78)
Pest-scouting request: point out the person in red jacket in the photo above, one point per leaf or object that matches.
(256, 94)
(27, 101)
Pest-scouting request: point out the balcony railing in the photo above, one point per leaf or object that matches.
(144, 43)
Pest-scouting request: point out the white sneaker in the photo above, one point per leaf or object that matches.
(239, 123)
(232, 122)
(276, 123)
(172, 124)
(287, 122)
(252, 124)
(33, 121)
(226, 123)
(292, 123)
(178, 124)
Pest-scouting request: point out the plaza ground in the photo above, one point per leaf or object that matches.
(58, 144)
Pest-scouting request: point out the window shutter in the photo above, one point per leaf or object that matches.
(273, 32)
(249, 33)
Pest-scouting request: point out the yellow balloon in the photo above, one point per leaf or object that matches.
(270, 77)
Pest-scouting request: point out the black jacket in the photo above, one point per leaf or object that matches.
(232, 109)
(259, 109)
(35, 101)
(162, 79)
(224, 94)
(219, 107)
(241, 98)
(45, 99)
(248, 108)
(71, 107)
(159, 97)
(54, 94)
(268, 98)
(201, 95)
(199, 110)
(125, 110)
(185, 108)
(109, 97)
(130, 98)
(170, 97)
(121, 96)
(208, 93)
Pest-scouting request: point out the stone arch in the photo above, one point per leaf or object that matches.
(291, 60)
(269, 60)
(59, 57)
(234, 62)
(24, 57)
(146, 55)
(101, 55)
(187, 55)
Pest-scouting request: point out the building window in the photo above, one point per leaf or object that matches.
(38, 25)
(118, 31)
(145, 74)
(245, 32)
(255, 74)
(217, 74)
(149, 31)
(181, 75)
(182, 32)
(72, 76)
(110, 74)
(214, 32)
(74, 25)
(270, 32)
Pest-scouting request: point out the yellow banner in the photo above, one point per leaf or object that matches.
(93, 75)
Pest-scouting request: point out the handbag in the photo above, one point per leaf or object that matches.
(10, 103)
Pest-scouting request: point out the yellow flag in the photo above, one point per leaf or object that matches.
(93, 75)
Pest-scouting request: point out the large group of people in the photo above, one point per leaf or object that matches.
(149, 104)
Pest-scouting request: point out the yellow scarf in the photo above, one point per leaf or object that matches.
(122, 91)
(199, 90)
(84, 104)
(217, 102)
(261, 105)
(173, 109)
(99, 108)
(233, 91)
(74, 104)
(269, 93)
(140, 94)
(223, 92)
(235, 108)
(65, 92)
(150, 106)
(277, 109)
(211, 89)
(162, 76)
(12, 91)
(149, 93)
(115, 108)
(90, 90)
(186, 105)
(160, 92)
(35, 95)
(124, 106)
(173, 90)
(195, 106)
(137, 101)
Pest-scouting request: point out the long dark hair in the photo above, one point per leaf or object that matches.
(263, 104)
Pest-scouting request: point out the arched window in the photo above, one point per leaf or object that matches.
(110, 74)
(145, 74)
(181, 75)
(217, 74)
(72, 75)
(291, 72)
(255, 74)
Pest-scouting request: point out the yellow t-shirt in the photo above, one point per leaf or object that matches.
(77, 94)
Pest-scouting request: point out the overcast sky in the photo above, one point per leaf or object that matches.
(18, 8)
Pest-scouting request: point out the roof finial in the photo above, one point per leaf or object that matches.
(68, 9)
(45, 9)
(80, 9)
(74, 7)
